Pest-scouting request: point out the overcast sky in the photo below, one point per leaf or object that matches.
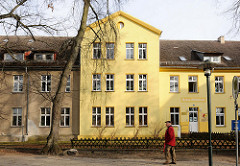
(186, 19)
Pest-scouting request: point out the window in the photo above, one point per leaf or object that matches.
(46, 83)
(192, 84)
(174, 84)
(13, 57)
(110, 82)
(96, 50)
(109, 116)
(110, 50)
(44, 57)
(174, 113)
(65, 117)
(96, 116)
(143, 116)
(219, 85)
(130, 116)
(96, 82)
(17, 117)
(18, 83)
(129, 50)
(239, 86)
(142, 51)
(129, 82)
(68, 85)
(220, 117)
(214, 59)
(45, 117)
(142, 82)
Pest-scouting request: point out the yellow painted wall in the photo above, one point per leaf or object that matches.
(120, 99)
(184, 99)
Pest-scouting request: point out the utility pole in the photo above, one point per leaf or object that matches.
(235, 90)
(207, 73)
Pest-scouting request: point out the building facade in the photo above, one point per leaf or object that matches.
(29, 77)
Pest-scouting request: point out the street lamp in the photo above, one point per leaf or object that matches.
(207, 72)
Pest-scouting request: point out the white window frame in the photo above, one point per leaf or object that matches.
(218, 83)
(142, 82)
(65, 117)
(175, 83)
(143, 115)
(142, 50)
(44, 56)
(17, 83)
(96, 82)
(68, 85)
(130, 82)
(46, 83)
(174, 114)
(194, 81)
(110, 116)
(213, 59)
(45, 115)
(18, 115)
(129, 50)
(110, 50)
(8, 57)
(96, 113)
(220, 115)
(109, 82)
(130, 115)
(97, 50)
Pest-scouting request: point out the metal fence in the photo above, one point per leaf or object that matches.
(191, 141)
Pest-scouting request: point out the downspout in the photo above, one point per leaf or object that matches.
(27, 100)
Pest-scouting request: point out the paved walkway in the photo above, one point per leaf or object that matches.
(95, 159)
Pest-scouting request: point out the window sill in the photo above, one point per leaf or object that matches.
(110, 127)
(193, 92)
(220, 126)
(143, 126)
(44, 126)
(17, 92)
(96, 91)
(109, 90)
(142, 59)
(129, 126)
(17, 126)
(129, 59)
(219, 93)
(67, 91)
(174, 92)
(64, 126)
(96, 126)
(129, 91)
(142, 91)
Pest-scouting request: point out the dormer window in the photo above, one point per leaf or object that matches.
(13, 57)
(213, 59)
(44, 57)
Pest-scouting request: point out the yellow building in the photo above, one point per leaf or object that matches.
(183, 91)
(119, 91)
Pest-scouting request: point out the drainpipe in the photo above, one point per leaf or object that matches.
(179, 131)
(27, 100)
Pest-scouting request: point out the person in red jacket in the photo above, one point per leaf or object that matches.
(169, 148)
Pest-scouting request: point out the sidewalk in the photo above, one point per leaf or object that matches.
(129, 158)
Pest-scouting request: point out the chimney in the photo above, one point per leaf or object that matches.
(221, 39)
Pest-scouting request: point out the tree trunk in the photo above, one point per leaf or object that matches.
(52, 147)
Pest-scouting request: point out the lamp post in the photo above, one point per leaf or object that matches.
(207, 73)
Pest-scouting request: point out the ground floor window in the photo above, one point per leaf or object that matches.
(17, 117)
(220, 117)
(174, 113)
(109, 116)
(143, 116)
(65, 117)
(45, 117)
(96, 116)
(130, 116)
